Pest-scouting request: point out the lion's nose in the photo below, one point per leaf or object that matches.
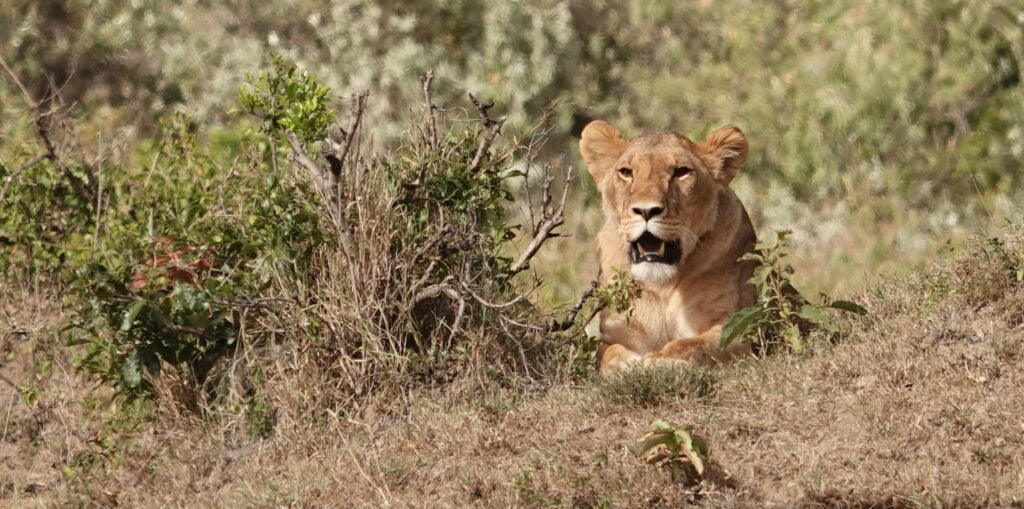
(647, 212)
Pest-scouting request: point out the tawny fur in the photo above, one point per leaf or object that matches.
(680, 313)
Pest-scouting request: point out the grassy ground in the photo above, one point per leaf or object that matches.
(920, 405)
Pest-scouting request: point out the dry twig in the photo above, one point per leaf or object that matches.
(491, 129)
(549, 220)
(570, 317)
(425, 81)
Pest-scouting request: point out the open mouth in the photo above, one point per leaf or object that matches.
(651, 249)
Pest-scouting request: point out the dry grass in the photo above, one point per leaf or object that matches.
(919, 407)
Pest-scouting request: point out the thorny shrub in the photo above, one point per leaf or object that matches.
(423, 289)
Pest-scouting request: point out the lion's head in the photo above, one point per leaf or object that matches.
(661, 190)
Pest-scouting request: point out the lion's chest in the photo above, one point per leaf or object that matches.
(669, 318)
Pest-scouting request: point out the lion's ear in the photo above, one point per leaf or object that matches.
(727, 151)
(601, 145)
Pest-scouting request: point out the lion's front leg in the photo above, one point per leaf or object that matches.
(618, 358)
(698, 350)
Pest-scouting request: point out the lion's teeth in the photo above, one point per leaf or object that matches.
(661, 249)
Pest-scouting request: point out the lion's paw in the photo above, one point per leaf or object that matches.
(654, 360)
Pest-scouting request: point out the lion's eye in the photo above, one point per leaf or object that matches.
(681, 171)
(626, 173)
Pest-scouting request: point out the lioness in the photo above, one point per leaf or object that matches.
(673, 222)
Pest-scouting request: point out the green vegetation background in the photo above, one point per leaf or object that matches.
(878, 130)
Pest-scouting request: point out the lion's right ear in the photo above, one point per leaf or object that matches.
(727, 148)
(601, 145)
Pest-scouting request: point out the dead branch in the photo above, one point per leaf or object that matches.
(570, 317)
(425, 81)
(359, 107)
(328, 179)
(492, 128)
(484, 302)
(325, 181)
(42, 127)
(549, 220)
(537, 137)
(523, 325)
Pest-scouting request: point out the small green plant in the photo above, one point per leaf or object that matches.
(781, 316)
(676, 448)
(620, 293)
(30, 394)
(259, 417)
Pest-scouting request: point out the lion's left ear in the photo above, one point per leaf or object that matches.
(726, 151)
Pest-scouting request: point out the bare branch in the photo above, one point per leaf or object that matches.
(435, 290)
(359, 103)
(42, 127)
(322, 179)
(570, 317)
(502, 305)
(426, 80)
(327, 184)
(24, 92)
(549, 220)
(492, 128)
(328, 179)
(523, 325)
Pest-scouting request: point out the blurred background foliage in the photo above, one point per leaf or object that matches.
(879, 130)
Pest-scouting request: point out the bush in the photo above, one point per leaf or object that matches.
(189, 253)
(377, 270)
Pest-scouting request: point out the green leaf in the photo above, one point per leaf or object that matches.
(760, 275)
(817, 317)
(698, 464)
(792, 337)
(129, 316)
(662, 425)
(739, 324)
(686, 441)
(656, 440)
(848, 306)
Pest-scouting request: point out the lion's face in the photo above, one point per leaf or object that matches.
(661, 190)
